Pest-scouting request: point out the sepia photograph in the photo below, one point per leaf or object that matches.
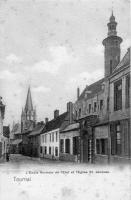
(65, 100)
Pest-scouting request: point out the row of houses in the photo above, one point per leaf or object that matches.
(96, 128)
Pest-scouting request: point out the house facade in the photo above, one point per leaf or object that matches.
(34, 140)
(120, 111)
(70, 143)
(50, 138)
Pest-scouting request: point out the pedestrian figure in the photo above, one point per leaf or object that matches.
(7, 154)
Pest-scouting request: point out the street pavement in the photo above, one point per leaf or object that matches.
(19, 161)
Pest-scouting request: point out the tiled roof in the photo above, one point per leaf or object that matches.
(6, 131)
(92, 90)
(71, 127)
(55, 123)
(37, 130)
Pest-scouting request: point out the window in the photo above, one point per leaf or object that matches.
(45, 150)
(40, 149)
(49, 150)
(102, 146)
(127, 91)
(101, 104)
(95, 106)
(67, 146)
(111, 66)
(56, 151)
(118, 95)
(56, 136)
(89, 108)
(75, 145)
(116, 146)
(62, 146)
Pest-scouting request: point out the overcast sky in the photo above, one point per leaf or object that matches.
(53, 46)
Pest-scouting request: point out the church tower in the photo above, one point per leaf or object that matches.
(28, 116)
(112, 47)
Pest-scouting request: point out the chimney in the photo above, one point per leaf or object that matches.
(46, 120)
(56, 114)
(70, 111)
(78, 93)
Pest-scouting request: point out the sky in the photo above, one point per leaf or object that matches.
(54, 46)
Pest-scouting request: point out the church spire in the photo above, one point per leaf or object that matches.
(29, 105)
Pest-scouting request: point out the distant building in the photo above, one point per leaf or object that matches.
(34, 140)
(50, 138)
(2, 137)
(28, 122)
(16, 139)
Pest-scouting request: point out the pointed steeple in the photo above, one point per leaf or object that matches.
(29, 105)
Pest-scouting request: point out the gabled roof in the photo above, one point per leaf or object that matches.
(124, 62)
(29, 105)
(37, 130)
(92, 90)
(55, 123)
(6, 131)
